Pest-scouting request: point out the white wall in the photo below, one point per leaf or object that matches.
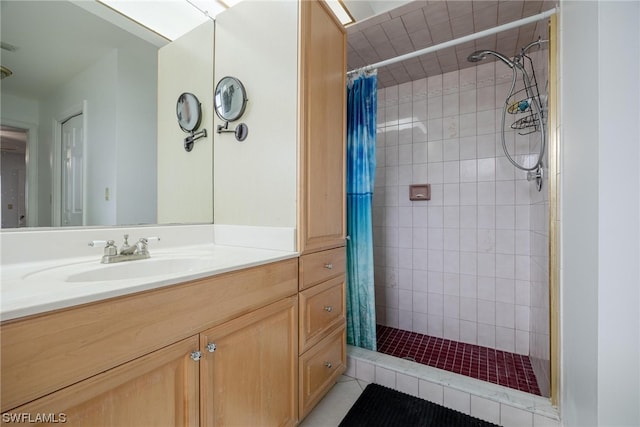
(136, 153)
(185, 179)
(100, 154)
(600, 235)
(120, 143)
(619, 209)
(255, 180)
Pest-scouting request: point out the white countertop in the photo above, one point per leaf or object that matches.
(32, 285)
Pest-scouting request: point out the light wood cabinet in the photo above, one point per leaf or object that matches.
(320, 368)
(322, 309)
(158, 389)
(128, 361)
(249, 369)
(322, 203)
(321, 185)
(322, 326)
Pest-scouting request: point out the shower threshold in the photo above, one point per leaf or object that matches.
(482, 363)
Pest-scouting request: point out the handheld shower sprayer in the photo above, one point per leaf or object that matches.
(533, 99)
(479, 55)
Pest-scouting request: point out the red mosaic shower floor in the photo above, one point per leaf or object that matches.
(487, 364)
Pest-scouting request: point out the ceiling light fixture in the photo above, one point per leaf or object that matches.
(341, 11)
(169, 18)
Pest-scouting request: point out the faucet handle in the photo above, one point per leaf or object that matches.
(110, 246)
(143, 244)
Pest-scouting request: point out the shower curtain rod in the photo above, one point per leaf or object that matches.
(460, 40)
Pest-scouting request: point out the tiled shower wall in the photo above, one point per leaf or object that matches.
(459, 266)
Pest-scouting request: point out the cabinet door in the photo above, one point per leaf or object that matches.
(323, 128)
(249, 379)
(159, 389)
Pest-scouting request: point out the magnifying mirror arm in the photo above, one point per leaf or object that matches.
(241, 131)
(225, 128)
(189, 141)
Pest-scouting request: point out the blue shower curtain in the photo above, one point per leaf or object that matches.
(361, 167)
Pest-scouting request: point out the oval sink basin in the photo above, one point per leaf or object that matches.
(140, 268)
(163, 265)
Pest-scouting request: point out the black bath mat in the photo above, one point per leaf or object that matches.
(383, 407)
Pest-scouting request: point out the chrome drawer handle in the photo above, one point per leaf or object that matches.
(211, 347)
(196, 355)
(328, 266)
(328, 365)
(328, 308)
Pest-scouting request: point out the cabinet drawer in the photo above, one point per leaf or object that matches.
(320, 266)
(322, 308)
(320, 367)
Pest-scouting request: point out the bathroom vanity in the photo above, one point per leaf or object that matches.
(243, 345)
(206, 348)
(257, 340)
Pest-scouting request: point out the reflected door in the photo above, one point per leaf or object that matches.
(72, 171)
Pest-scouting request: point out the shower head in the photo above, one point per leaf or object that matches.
(479, 55)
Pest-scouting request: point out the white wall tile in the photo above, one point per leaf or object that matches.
(486, 193)
(486, 216)
(486, 335)
(515, 417)
(468, 309)
(469, 196)
(486, 145)
(434, 129)
(434, 107)
(522, 342)
(505, 217)
(486, 288)
(467, 101)
(486, 99)
(485, 409)
(486, 312)
(365, 371)
(457, 400)
(468, 332)
(385, 377)
(407, 384)
(468, 143)
(431, 391)
(505, 339)
(541, 421)
(505, 315)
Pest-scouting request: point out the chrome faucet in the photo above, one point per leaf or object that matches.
(127, 252)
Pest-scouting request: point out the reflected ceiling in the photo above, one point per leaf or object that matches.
(419, 24)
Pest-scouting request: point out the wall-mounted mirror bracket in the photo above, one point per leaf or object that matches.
(191, 139)
(241, 131)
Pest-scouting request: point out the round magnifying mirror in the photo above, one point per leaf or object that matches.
(189, 112)
(230, 99)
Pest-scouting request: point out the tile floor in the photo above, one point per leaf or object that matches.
(487, 364)
(335, 405)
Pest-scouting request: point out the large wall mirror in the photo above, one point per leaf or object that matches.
(78, 116)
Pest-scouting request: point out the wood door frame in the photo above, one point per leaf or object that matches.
(56, 168)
